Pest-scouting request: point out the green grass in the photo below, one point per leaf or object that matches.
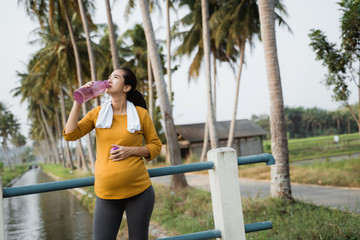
(345, 173)
(190, 210)
(8, 174)
(64, 173)
(320, 147)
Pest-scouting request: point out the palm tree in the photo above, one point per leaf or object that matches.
(79, 76)
(237, 23)
(178, 180)
(18, 140)
(280, 176)
(192, 41)
(8, 128)
(84, 19)
(62, 8)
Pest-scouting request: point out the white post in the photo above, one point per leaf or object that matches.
(2, 229)
(225, 194)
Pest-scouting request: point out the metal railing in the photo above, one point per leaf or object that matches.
(155, 172)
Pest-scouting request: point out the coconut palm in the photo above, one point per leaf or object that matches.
(79, 76)
(192, 41)
(61, 9)
(237, 22)
(178, 180)
(280, 176)
(8, 128)
(18, 140)
(84, 20)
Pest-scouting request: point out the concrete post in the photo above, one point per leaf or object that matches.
(2, 228)
(225, 194)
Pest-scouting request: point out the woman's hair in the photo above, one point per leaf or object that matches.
(133, 95)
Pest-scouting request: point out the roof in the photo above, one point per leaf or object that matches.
(243, 128)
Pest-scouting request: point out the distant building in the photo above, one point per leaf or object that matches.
(247, 137)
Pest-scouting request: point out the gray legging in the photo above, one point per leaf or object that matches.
(108, 215)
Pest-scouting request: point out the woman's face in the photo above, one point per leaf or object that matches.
(117, 83)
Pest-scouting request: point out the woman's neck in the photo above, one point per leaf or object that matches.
(119, 105)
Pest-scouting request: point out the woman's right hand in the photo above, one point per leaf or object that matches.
(88, 84)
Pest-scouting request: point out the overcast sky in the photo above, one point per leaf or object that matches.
(301, 75)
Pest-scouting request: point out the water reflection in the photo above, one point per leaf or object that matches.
(53, 215)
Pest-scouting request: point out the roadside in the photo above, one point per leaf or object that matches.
(334, 197)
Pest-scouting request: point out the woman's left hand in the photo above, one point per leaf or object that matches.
(121, 153)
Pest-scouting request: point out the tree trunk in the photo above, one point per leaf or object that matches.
(178, 180)
(81, 159)
(47, 144)
(168, 42)
(114, 55)
(151, 91)
(233, 120)
(51, 137)
(59, 136)
(79, 75)
(206, 142)
(151, 95)
(63, 119)
(88, 44)
(206, 40)
(214, 82)
(280, 176)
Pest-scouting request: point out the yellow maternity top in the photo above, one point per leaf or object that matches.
(124, 178)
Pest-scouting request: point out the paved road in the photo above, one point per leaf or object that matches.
(334, 197)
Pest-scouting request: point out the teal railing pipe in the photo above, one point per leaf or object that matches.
(251, 227)
(264, 157)
(259, 226)
(196, 236)
(155, 172)
(89, 181)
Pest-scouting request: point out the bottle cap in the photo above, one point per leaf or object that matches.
(114, 148)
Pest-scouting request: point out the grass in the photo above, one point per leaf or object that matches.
(64, 173)
(190, 210)
(291, 220)
(320, 147)
(8, 174)
(345, 173)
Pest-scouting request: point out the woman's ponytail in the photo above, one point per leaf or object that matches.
(134, 95)
(136, 98)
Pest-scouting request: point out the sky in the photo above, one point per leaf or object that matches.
(301, 74)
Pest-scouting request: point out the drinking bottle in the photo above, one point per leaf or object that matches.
(84, 94)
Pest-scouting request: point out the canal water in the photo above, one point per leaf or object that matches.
(54, 215)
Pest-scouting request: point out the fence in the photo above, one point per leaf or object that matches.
(224, 184)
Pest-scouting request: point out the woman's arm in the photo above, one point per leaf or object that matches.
(73, 119)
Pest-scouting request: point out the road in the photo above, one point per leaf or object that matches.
(334, 197)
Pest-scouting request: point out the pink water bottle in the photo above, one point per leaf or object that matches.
(84, 94)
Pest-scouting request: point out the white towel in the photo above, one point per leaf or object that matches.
(106, 116)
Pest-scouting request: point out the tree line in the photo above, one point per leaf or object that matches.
(311, 122)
